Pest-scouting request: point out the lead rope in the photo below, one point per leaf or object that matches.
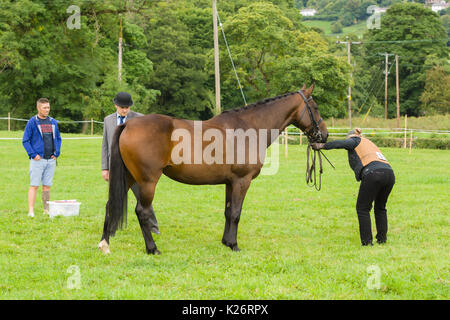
(311, 176)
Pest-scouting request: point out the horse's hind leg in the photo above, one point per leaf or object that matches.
(152, 217)
(144, 213)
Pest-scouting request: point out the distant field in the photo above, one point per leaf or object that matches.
(438, 122)
(357, 29)
(296, 243)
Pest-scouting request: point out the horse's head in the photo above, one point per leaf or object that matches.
(307, 117)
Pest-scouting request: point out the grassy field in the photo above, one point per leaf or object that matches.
(296, 243)
(357, 29)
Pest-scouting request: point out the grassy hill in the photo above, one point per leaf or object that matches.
(357, 29)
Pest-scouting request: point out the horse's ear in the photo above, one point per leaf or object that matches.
(304, 87)
(310, 90)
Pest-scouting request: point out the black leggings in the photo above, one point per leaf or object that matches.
(376, 186)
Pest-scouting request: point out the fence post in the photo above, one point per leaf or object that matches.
(92, 127)
(285, 143)
(410, 140)
(406, 126)
(9, 121)
(301, 137)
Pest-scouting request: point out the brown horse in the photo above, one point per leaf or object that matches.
(148, 146)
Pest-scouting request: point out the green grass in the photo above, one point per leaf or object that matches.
(357, 29)
(296, 243)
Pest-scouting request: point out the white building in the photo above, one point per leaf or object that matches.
(308, 12)
(436, 5)
(380, 10)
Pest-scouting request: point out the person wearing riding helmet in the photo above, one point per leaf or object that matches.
(377, 180)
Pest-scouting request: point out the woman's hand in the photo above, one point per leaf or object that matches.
(317, 146)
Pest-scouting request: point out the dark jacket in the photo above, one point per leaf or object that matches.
(34, 143)
(355, 162)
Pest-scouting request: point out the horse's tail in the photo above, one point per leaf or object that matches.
(116, 208)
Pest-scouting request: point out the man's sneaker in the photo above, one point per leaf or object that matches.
(31, 214)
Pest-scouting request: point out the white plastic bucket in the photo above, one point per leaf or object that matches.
(65, 208)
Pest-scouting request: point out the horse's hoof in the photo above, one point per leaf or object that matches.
(154, 251)
(104, 247)
(235, 248)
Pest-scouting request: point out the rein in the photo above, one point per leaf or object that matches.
(311, 176)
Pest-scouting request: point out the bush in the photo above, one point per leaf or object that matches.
(336, 27)
(420, 143)
(386, 142)
(330, 17)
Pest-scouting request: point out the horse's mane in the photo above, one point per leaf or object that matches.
(259, 103)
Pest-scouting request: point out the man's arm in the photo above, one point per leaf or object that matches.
(105, 151)
(58, 141)
(26, 141)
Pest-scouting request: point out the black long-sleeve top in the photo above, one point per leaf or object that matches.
(355, 162)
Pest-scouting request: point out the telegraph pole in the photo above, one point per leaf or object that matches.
(119, 64)
(216, 56)
(385, 85)
(349, 44)
(386, 81)
(397, 89)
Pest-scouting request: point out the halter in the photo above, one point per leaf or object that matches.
(314, 134)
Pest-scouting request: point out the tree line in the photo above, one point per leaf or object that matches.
(168, 63)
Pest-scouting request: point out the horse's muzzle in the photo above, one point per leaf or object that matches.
(317, 136)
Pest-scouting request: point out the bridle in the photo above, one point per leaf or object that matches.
(314, 134)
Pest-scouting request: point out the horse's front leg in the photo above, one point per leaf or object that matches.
(227, 212)
(239, 189)
(104, 242)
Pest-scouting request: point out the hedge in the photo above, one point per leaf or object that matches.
(418, 143)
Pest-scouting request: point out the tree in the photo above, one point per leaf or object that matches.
(40, 56)
(336, 27)
(403, 30)
(436, 96)
(46, 59)
(178, 62)
(274, 57)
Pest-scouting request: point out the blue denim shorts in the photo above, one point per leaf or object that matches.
(42, 171)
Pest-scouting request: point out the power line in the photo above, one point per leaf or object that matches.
(381, 85)
(349, 44)
(374, 81)
(232, 62)
(405, 41)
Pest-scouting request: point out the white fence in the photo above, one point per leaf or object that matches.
(289, 131)
(92, 121)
